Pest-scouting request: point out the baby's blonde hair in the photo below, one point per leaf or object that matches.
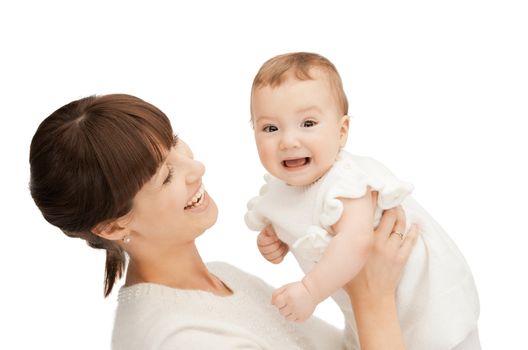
(274, 71)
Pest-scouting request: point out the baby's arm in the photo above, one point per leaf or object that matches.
(342, 260)
(347, 252)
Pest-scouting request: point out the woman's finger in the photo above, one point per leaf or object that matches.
(399, 225)
(394, 243)
(374, 195)
(387, 223)
(409, 242)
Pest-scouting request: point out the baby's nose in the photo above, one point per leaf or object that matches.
(289, 140)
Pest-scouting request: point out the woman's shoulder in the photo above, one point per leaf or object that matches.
(146, 299)
(150, 314)
(240, 281)
(149, 297)
(154, 316)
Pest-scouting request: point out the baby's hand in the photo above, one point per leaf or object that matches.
(294, 302)
(270, 246)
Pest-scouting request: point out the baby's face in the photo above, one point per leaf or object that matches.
(299, 128)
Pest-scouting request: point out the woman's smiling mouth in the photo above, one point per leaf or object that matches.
(197, 199)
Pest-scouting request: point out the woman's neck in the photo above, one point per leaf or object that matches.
(182, 268)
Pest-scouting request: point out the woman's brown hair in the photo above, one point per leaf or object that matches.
(88, 160)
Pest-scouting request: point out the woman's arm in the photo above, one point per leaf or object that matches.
(372, 291)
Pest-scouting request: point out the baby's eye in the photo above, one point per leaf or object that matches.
(309, 123)
(269, 128)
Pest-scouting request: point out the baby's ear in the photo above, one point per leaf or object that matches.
(343, 130)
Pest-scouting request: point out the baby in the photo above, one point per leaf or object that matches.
(323, 204)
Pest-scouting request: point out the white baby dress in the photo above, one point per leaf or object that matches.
(437, 300)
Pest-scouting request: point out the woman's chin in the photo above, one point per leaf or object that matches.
(214, 209)
(212, 214)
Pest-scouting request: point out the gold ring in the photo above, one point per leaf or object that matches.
(397, 233)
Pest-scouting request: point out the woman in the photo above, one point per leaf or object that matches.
(108, 169)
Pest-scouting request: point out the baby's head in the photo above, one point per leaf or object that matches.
(299, 115)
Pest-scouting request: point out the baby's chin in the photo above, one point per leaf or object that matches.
(294, 179)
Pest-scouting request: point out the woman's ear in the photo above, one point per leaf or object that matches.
(112, 230)
(343, 130)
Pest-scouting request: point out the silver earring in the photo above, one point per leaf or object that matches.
(126, 239)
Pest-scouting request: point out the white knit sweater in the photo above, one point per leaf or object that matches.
(153, 316)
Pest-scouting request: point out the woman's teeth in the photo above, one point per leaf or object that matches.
(197, 199)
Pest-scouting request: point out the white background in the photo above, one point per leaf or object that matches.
(438, 91)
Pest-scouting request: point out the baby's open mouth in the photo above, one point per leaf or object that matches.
(296, 162)
(197, 199)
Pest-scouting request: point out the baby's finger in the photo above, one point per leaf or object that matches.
(263, 239)
(291, 317)
(286, 312)
(277, 298)
(269, 248)
(269, 231)
(279, 303)
(285, 249)
(277, 256)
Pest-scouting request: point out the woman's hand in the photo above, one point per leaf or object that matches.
(372, 291)
(382, 271)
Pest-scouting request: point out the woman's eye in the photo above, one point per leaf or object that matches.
(270, 128)
(168, 178)
(309, 123)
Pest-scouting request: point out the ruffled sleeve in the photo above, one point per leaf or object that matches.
(254, 219)
(310, 248)
(351, 177)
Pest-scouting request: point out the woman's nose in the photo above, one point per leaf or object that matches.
(195, 171)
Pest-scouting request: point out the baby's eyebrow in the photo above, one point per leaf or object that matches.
(308, 109)
(263, 118)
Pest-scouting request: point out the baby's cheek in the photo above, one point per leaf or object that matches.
(266, 156)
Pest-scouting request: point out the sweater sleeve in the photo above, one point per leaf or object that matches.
(196, 338)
